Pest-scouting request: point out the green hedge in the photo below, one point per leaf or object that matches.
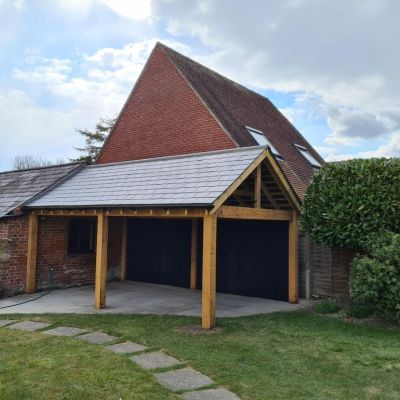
(375, 278)
(348, 202)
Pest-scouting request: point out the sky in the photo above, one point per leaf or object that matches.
(331, 66)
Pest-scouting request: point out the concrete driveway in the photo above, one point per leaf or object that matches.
(130, 297)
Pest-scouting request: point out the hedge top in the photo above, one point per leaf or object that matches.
(348, 202)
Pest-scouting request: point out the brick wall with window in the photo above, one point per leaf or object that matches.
(56, 266)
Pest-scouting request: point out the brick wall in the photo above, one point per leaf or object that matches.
(14, 246)
(55, 267)
(163, 117)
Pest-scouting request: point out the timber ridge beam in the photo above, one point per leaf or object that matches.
(229, 212)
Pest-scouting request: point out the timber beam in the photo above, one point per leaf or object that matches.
(229, 212)
(126, 212)
(32, 254)
(101, 261)
(209, 291)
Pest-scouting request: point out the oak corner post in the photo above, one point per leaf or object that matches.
(293, 258)
(101, 260)
(209, 271)
(32, 253)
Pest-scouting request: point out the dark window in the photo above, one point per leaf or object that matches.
(81, 235)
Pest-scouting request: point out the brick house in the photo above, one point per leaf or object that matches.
(189, 148)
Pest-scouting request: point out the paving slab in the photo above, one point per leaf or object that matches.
(28, 326)
(183, 379)
(97, 338)
(126, 347)
(210, 394)
(155, 360)
(65, 331)
(4, 322)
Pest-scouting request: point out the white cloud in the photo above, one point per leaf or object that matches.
(35, 130)
(18, 5)
(131, 9)
(94, 86)
(76, 9)
(341, 55)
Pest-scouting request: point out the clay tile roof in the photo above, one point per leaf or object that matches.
(236, 107)
(17, 187)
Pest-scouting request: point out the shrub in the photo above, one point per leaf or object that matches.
(328, 306)
(375, 278)
(348, 202)
(359, 310)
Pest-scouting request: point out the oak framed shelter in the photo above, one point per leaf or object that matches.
(244, 184)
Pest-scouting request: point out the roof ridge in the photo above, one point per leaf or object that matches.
(41, 168)
(177, 156)
(162, 45)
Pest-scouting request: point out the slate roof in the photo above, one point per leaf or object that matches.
(17, 187)
(189, 180)
(236, 107)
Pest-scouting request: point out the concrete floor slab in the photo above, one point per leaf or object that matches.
(126, 348)
(210, 394)
(5, 322)
(183, 379)
(130, 297)
(97, 338)
(28, 326)
(155, 360)
(65, 331)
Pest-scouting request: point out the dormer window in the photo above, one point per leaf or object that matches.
(308, 156)
(260, 138)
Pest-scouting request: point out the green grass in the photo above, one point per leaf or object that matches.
(278, 356)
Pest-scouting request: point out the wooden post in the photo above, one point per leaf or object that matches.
(257, 188)
(124, 235)
(193, 256)
(293, 258)
(308, 261)
(32, 253)
(209, 271)
(101, 260)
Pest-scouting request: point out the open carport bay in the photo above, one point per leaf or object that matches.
(252, 256)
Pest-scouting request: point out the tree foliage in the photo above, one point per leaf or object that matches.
(28, 161)
(348, 202)
(375, 278)
(94, 140)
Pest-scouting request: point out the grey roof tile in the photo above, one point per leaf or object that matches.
(17, 187)
(194, 179)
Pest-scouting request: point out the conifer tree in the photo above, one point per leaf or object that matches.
(94, 140)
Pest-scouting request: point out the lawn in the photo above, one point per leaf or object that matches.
(277, 356)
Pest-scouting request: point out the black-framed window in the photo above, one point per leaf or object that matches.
(81, 235)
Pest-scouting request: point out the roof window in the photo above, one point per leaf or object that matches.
(308, 156)
(260, 138)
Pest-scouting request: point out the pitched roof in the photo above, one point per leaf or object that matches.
(189, 180)
(17, 187)
(236, 107)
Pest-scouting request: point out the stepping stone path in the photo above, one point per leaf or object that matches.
(4, 322)
(210, 394)
(127, 347)
(97, 338)
(65, 331)
(155, 360)
(28, 326)
(185, 380)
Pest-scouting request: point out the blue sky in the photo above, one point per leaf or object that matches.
(329, 66)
